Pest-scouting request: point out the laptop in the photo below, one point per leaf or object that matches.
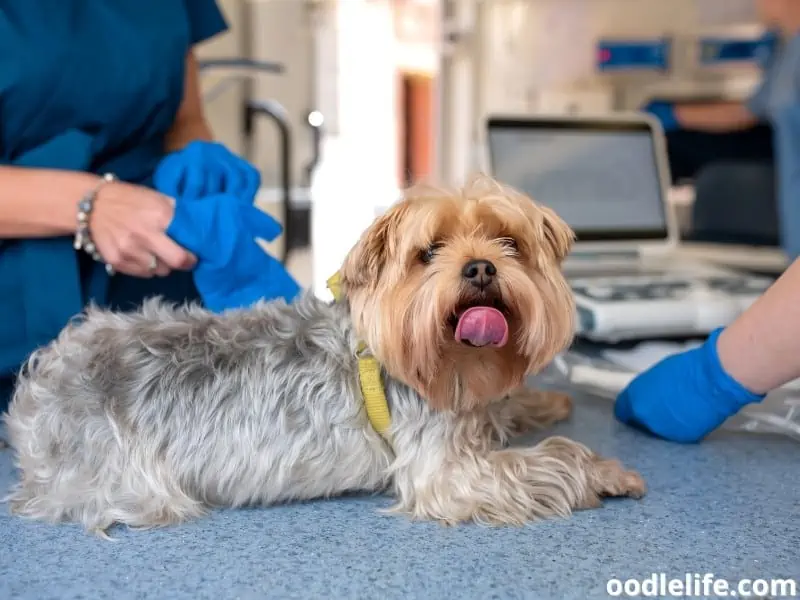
(608, 178)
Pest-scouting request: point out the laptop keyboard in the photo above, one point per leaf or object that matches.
(664, 287)
(739, 286)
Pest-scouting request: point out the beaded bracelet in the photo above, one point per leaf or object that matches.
(83, 237)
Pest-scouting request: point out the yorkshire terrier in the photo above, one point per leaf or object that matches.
(156, 417)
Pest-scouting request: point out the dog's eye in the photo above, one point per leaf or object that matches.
(428, 254)
(509, 243)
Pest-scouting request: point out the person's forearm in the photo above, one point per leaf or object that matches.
(41, 202)
(761, 349)
(190, 122)
(715, 118)
(185, 131)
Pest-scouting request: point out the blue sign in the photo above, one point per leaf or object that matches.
(718, 50)
(639, 55)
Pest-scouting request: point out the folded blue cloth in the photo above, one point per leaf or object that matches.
(233, 270)
(684, 397)
(204, 169)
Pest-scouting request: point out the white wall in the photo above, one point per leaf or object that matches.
(534, 46)
(357, 80)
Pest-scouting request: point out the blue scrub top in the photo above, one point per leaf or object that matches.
(777, 101)
(780, 85)
(89, 85)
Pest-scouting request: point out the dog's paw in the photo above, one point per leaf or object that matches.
(556, 406)
(611, 478)
(535, 409)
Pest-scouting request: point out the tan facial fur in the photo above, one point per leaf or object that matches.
(404, 283)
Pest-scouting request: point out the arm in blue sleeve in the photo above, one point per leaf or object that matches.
(205, 19)
(768, 55)
(787, 150)
(757, 102)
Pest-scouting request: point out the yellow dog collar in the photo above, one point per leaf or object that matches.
(369, 375)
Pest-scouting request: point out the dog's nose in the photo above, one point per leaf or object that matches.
(479, 273)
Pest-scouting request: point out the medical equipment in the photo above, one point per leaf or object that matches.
(713, 65)
(607, 177)
(606, 373)
(522, 57)
(645, 306)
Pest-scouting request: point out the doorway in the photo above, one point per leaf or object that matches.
(416, 130)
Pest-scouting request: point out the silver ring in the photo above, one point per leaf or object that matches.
(153, 263)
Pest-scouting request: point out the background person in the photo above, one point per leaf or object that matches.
(730, 150)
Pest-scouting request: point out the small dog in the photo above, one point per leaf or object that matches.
(155, 417)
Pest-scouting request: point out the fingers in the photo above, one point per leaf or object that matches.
(263, 225)
(129, 256)
(137, 268)
(169, 253)
(156, 257)
(162, 270)
(129, 231)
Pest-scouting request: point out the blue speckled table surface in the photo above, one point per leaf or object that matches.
(729, 506)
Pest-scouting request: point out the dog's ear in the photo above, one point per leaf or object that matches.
(557, 235)
(365, 262)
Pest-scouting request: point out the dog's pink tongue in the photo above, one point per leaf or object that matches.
(482, 326)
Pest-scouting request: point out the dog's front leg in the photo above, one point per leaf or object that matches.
(526, 409)
(512, 486)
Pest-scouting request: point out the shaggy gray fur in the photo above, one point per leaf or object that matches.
(128, 413)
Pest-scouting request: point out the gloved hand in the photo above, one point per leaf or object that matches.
(684, 397)
(232, 270)
(203, 169)
(665, 113)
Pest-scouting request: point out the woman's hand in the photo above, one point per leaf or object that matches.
(684, 397)
(128, 225)
(206, 169)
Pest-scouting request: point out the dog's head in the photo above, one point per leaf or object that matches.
(459, 293)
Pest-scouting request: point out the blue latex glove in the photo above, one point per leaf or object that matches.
(684, 397)
(204, 169)
(232, 270)
(665, 113)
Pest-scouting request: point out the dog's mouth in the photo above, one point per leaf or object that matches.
(481, 323)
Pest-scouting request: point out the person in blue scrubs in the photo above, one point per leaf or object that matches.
(699, 133)
(729, 149)
(687, 396)
(91, 87)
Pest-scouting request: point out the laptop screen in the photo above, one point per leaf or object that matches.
(601, 177)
